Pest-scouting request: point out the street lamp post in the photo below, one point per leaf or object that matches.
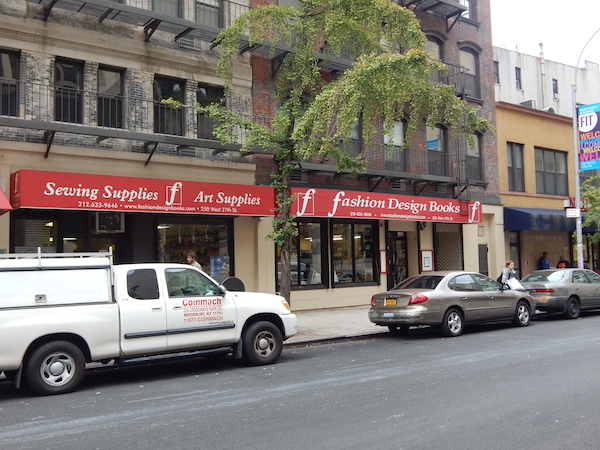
(578, 226)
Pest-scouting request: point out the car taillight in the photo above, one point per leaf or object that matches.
(417, 298)
(541, 290)
(373, 301)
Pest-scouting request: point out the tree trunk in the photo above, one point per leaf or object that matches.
(285, 208)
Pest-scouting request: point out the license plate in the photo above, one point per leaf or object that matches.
(390, 302)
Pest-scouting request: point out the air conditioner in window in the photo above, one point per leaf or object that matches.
(107, 222)
(531, 103)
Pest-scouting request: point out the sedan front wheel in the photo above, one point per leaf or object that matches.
(452, 325)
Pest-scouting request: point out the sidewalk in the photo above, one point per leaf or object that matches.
(321, 324)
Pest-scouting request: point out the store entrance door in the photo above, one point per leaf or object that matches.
(397, 258)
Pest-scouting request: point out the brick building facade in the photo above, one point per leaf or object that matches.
(81, 86)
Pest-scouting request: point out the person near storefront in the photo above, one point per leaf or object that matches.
(191, 259)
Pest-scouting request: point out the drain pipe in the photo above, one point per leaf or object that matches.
(543, 74)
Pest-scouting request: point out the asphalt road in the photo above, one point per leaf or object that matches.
(495, 387)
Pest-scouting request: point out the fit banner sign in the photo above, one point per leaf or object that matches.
(311, 202)
(60, 190)
(589, 136)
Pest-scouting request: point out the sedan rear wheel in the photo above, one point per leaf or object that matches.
(452, 325)
(397, 330)
(522, 314)
(572, 308)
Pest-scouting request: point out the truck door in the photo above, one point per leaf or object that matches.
(143, 314)
(198, 314)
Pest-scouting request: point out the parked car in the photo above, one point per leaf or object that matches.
(449, 299)
(564, 290)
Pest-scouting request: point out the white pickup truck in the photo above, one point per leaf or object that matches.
(60, 311)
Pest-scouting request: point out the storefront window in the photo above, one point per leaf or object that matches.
(33, 230)
(353, 247)
(306, 259)
(210, 242)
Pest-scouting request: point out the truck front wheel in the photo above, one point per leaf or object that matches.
(55, 368)
(262, 343)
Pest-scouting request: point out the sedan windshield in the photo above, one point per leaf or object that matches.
(545, 276)
(420, 282)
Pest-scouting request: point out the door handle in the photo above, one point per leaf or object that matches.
(178, 307)
(158, 308)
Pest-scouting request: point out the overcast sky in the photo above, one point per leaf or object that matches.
(564, 27)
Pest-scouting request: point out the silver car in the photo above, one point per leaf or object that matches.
(564, 290)
(450, 299)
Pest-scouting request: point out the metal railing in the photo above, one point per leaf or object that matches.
(9, 97)
(474, 168)
(396, 160)
(47, 103)
(214, 13)
(464, 82)
(437, 163)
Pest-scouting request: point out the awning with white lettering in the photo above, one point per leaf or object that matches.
(331, 203)
(79, 191)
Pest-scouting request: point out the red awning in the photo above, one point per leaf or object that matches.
(4, 203)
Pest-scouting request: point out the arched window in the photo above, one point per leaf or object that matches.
(468, 82)
(435, 48)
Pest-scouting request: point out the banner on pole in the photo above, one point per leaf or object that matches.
(589, 136)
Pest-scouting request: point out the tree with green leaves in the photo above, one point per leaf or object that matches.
(590, 200)
(387, 81)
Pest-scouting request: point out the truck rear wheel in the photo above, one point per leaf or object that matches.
(55, 368)
(262, 343)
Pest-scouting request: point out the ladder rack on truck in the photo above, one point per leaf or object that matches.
(42, 260)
